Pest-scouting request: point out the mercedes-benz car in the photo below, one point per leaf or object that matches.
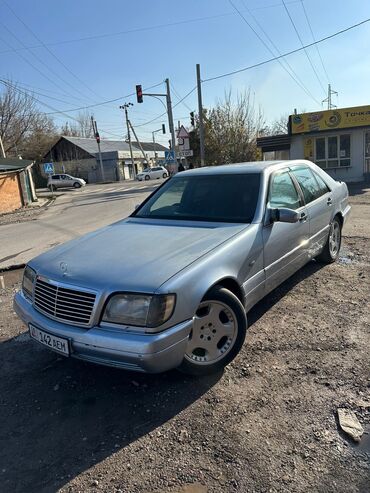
(170, 286)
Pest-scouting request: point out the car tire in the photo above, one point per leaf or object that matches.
(219, 329)
(147, 177)
(330, 252)
(52, 188)
(77, 185)
(164, 175)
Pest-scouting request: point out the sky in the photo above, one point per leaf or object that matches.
(75, 54)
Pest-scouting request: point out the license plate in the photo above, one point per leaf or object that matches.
(53, 342)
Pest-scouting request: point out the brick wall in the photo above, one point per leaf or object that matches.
(10, 195)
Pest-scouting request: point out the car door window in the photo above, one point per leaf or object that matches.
(309, 185)
(283, 192)
(55, 177)
(322, 185)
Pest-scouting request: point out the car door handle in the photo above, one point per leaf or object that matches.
(303, 217)
(330, 201)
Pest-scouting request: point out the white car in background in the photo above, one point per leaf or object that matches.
(63, 181)
(153, 173)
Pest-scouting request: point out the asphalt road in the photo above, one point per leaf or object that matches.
(74, 212)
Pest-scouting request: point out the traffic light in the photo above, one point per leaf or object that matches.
(163, 128)
(139, 93)
(169, 144)
(97, 137)
(192, 119)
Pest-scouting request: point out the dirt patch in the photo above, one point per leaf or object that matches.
(21, 215)
(267, 424)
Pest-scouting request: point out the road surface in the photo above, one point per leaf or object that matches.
(74, 213)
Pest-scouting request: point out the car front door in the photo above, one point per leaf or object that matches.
(285, 244)
(318, 199)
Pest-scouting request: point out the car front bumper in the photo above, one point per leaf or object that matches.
(151, 353)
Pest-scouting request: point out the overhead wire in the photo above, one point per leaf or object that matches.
(291, 52)
(314, 38)
(288, 69)
(302, 44)
(140, 29)
(49, 50)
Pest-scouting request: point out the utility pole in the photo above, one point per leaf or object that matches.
(163, 130)
(97, 137)
(170, 117)
(124, 107)
(200, 110)
(2, 147)
(328, 99)
(138, 141)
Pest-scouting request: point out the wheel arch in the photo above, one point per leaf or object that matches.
(232, 285)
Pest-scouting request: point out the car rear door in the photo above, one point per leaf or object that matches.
(285, 244)
(318, 199)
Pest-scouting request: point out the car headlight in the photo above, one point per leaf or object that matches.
(141, 310)
(29, 278)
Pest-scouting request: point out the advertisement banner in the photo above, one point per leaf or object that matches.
(330, 119)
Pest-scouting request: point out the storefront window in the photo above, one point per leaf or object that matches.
(333, 151)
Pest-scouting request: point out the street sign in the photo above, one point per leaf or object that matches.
(186, 153)
(169, 157)
(49, 168)
(182, 133)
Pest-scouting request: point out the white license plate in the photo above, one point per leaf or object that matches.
(53, 342)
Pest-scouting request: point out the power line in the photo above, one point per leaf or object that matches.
(300, 40)
(140, 29)
(313, 37)
(179, 97)
(49, 50)
(290, 72)
(296, 50)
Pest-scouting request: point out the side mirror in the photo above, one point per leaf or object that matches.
(284, 215)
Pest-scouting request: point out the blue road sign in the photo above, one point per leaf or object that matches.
(169, 157)
(49, 168)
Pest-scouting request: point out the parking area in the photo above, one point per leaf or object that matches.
(267, 424)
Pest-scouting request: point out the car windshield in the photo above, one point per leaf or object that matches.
(218, 197)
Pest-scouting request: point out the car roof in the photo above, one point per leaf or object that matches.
(241, 168)
(238, 168)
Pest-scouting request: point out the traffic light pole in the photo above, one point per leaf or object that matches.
(169, 112)
(200, 110)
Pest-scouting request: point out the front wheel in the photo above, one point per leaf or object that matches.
(330, 252)
(77, 185)
(164, 175)
(147, 177)
(218, 333)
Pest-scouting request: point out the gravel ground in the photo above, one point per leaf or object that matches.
(24, 214)
(267, 424)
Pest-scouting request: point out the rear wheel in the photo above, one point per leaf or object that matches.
(330, 252)
(218, 333)
(77, 185)
(147, 177)
(52, 188)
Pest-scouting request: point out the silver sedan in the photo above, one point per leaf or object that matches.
(170, 286)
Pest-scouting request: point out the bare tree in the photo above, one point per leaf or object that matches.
(279, 126)
(80, 128)
(25, 131)
(231, 129)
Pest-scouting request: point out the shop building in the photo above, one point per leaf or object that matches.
(337, 140)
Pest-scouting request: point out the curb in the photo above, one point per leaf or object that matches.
(12, 267)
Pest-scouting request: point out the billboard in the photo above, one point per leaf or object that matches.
(357, 116)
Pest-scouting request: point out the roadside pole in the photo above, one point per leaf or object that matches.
(2, 146)
(138, 141)
(200, 110)
(170, 116)
(124, 107)
(97, 137)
